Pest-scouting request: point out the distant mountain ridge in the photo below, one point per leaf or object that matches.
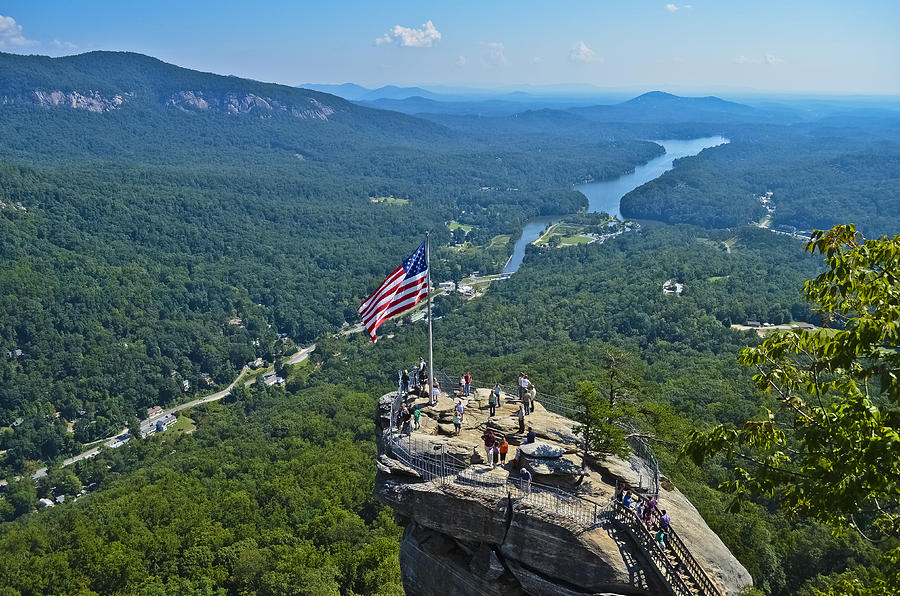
(106, 81)
(658, 106)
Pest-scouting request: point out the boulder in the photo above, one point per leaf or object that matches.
(555, 470)
(542, 450)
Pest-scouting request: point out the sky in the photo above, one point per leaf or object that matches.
(796, 46)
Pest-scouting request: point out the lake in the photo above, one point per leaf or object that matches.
(606, 196)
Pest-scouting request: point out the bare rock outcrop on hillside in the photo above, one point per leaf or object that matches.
(89, 101)
(247, 103)
(189, 101)
(468, 531)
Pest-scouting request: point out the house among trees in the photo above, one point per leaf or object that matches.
(272, 379)
(753, 324)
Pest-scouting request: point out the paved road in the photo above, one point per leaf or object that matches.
(122, 436)
(302, 355)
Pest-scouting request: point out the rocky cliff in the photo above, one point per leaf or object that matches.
(471, 528)
(230, 102)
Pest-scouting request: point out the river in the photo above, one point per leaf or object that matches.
(606, 196)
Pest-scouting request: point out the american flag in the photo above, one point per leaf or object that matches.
(403, 289)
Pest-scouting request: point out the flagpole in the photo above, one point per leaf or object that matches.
(430, 333)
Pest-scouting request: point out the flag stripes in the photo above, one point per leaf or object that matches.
(401, 290)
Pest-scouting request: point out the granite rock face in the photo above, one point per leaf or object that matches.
(473, 533)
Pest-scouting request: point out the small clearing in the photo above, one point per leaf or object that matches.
(391, 200)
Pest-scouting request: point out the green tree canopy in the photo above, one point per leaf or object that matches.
(832, 451)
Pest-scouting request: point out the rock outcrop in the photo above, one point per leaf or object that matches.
(247, 103)
(89, 101)
(468, 530)
(232, 102)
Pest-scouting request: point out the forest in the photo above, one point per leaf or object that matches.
(143, 231)
(148, 246)
(295, 465)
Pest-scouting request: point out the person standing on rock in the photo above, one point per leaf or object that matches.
(405, 418)
(530, 394)
(489, 440)
(468, 379)
(520, 414)
(404, 382)
(497, 393)
(457, 422)
(461, 410)
(504, 449)
(492, 404)
(495, 455)
(462, 385)
(421, 373)
(435, 391)
(423, 383)
(417, 413)
(529, 404)
(519, 386)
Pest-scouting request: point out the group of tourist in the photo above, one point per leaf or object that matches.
(495, 449)
(406, 420)
(418, 383)
(527, 393)
(465, 383)
(656, 521)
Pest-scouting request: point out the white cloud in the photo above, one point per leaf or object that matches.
(410, 37)
(674, 8)
(745, 60)
(11, 33)
(64, 45)
(772, 59)
(462, 61)
(496, 54)
(581, 53)
(538, 60)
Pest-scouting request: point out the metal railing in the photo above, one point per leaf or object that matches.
(431, 461)
(669, 573)
(549, 499)
(688, 565)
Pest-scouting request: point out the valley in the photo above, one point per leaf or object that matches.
(171, 226)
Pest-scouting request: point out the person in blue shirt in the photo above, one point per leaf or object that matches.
(525, 477)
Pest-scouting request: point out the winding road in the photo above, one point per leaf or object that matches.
(122, 437)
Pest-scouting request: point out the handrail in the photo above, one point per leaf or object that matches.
(654, 552)
(682, 554)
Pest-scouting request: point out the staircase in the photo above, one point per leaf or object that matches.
(675, 564)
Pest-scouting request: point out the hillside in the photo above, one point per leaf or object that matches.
(144, 206)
